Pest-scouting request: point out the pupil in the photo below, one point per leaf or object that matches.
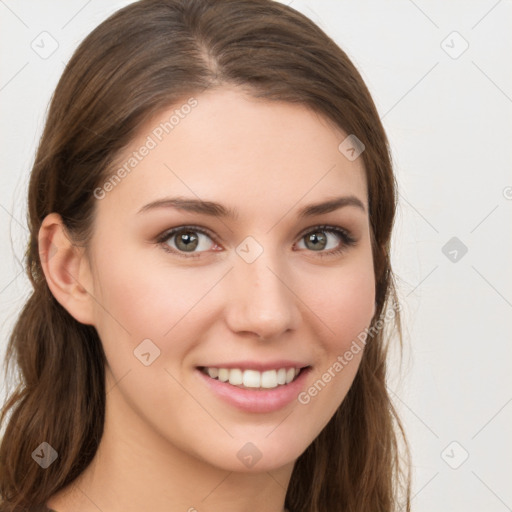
(316, 240)
(188, 239)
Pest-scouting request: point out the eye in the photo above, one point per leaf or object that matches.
(191, 241)
(186, 240)
(317, 241)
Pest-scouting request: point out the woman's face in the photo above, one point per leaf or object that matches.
(251, 283)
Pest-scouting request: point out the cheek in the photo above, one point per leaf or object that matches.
(140, 299)
(355, 304)
(345, 308)
(344, 303)
(146, 299)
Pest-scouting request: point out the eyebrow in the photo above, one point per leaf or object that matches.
(214, 209)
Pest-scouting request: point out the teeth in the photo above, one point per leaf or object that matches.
(235, 377)
(268, 379)
(223, 374)
(251, 379)
(213, 372)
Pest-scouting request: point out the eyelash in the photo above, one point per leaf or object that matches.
(346, 237)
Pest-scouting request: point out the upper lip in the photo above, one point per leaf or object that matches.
(259, 366)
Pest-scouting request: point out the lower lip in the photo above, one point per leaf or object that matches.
(257, 400)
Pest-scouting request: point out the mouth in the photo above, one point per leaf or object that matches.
(253, 379)
(253, 391)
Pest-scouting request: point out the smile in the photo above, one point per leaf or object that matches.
(265, 393)
(267, 379)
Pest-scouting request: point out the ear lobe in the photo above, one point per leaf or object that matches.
(66, 269)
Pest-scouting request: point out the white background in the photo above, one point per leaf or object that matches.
(450, 127)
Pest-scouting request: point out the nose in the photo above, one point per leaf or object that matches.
(261, 298)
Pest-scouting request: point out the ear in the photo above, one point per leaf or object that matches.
(66, 269)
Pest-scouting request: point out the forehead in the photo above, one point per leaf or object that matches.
(256, 156)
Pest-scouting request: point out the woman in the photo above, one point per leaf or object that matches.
(210, 212)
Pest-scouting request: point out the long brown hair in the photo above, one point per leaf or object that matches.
(144, 58)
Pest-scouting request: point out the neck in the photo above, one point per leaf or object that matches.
(127, 475)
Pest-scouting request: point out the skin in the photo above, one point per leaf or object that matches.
(169, 443)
